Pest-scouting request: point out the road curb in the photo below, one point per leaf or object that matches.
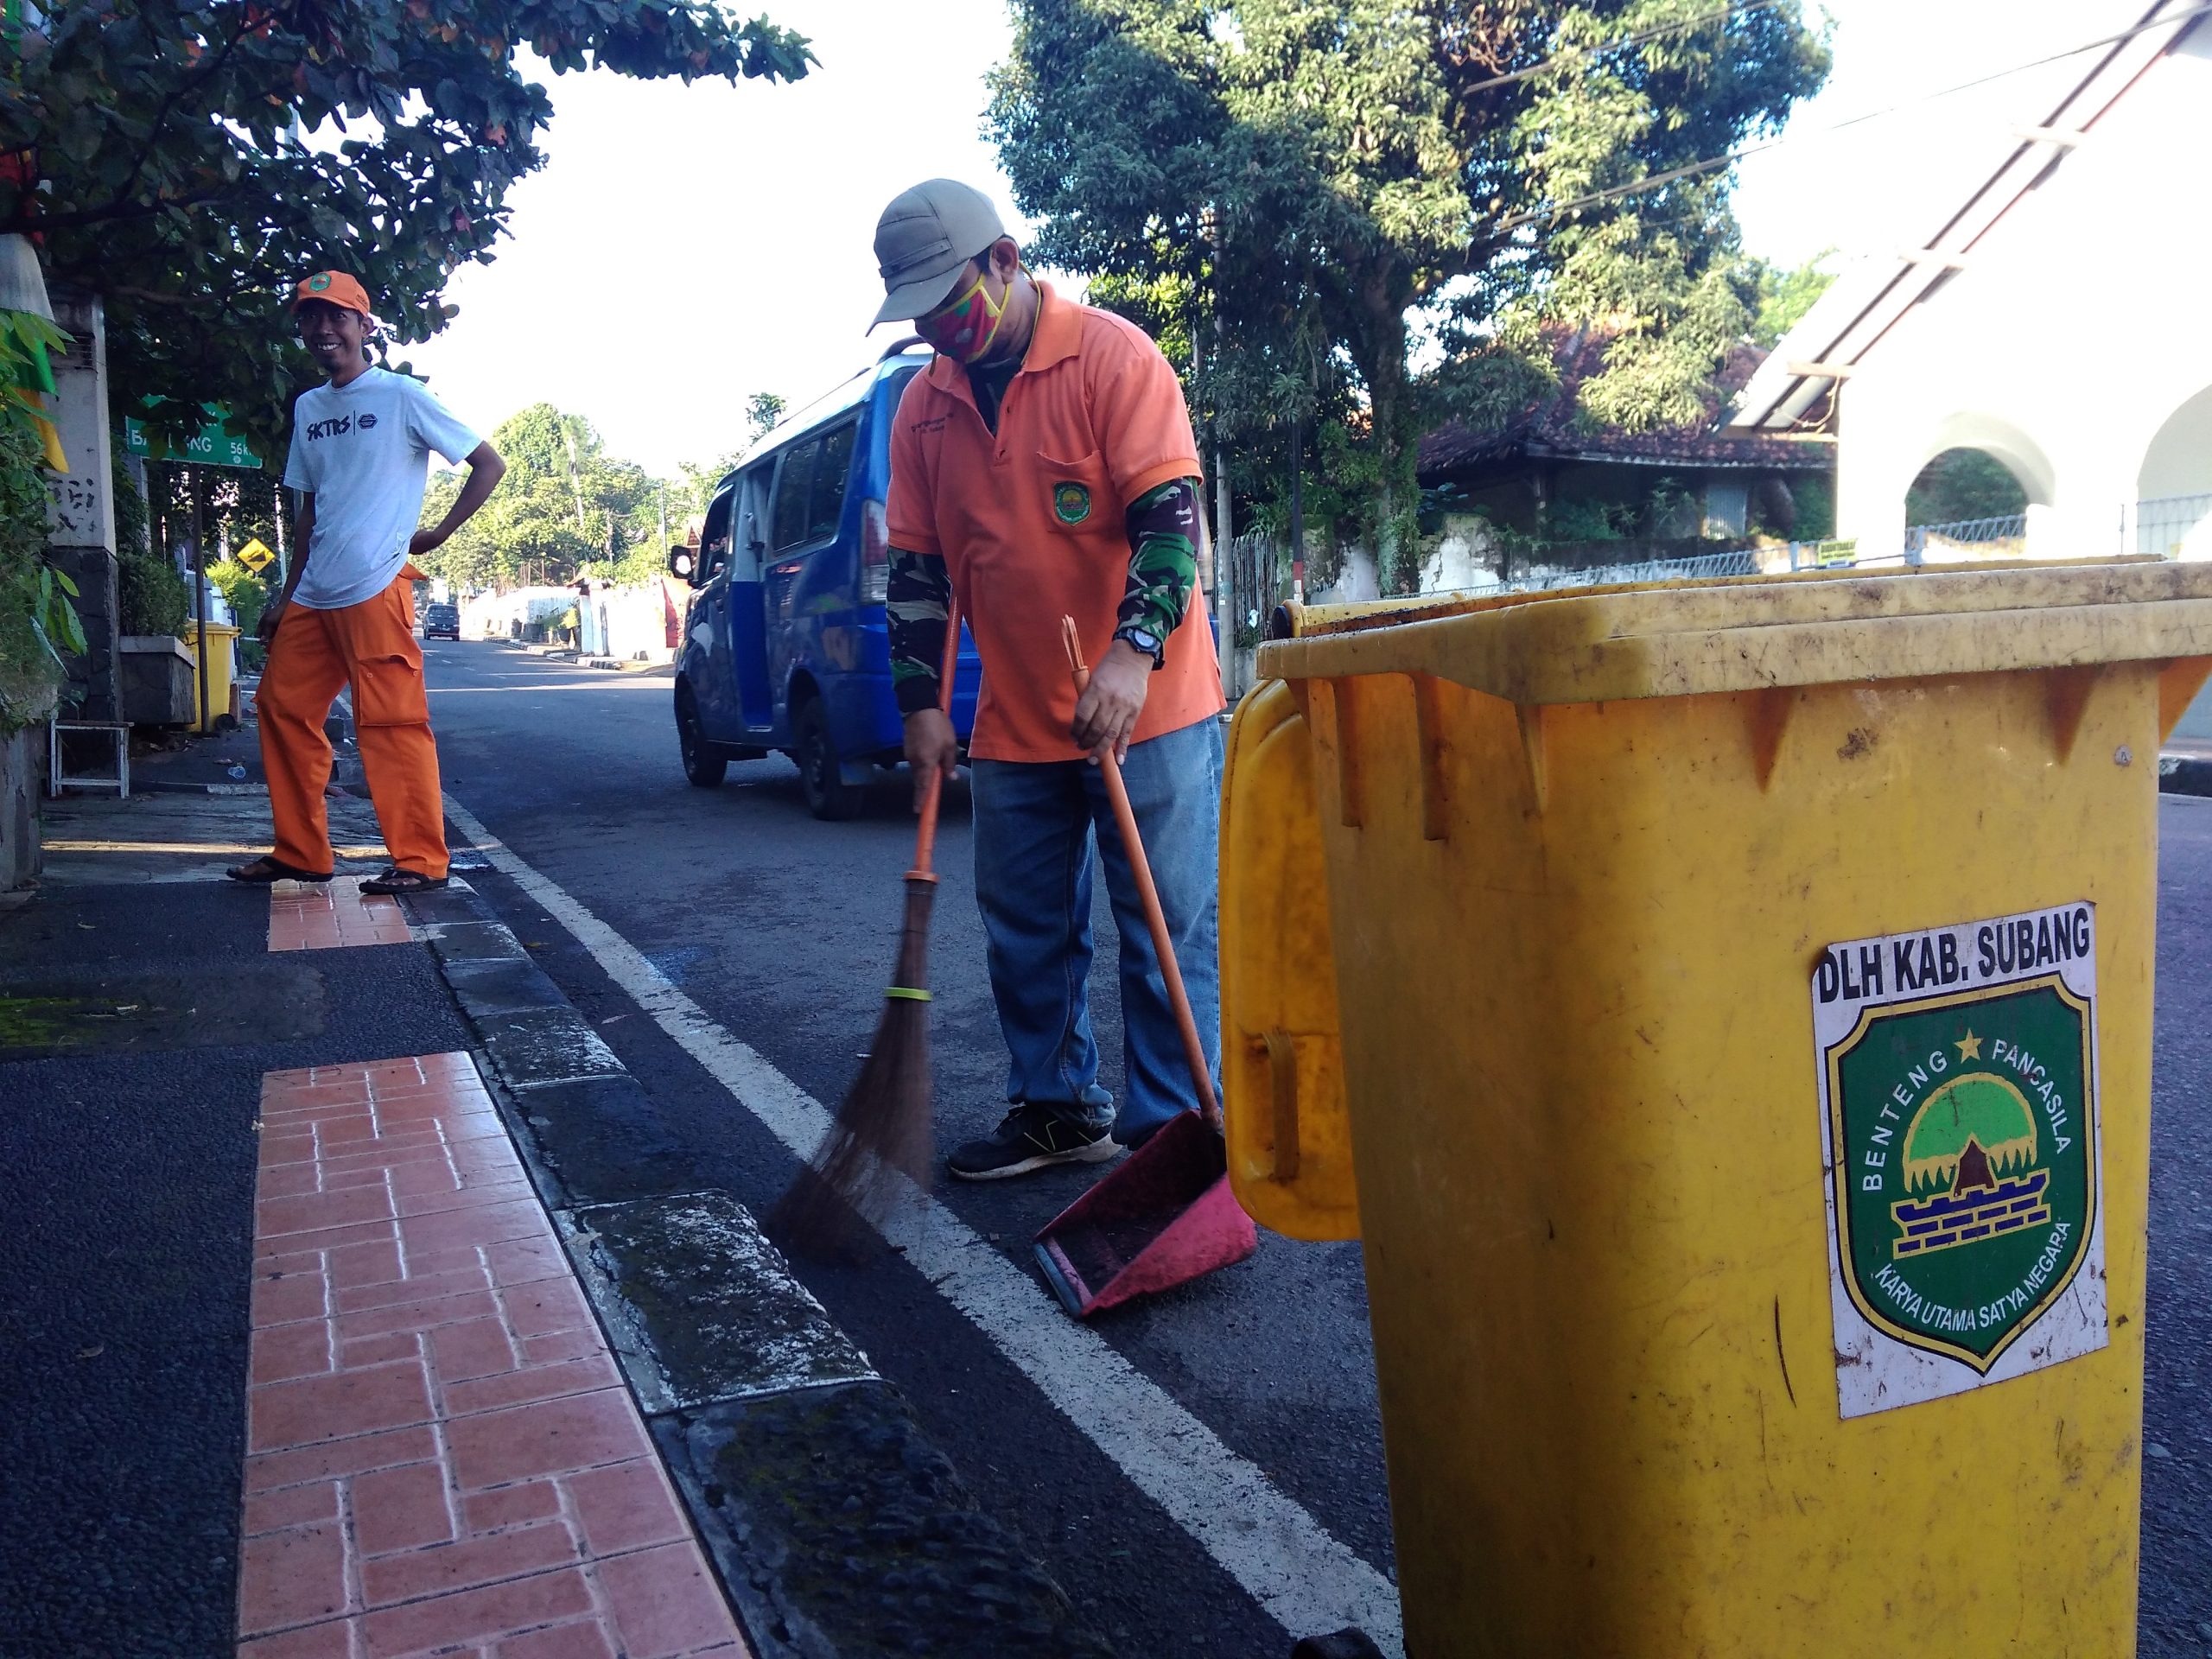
(838, 1529)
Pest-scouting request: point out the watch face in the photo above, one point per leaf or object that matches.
(1142, 638)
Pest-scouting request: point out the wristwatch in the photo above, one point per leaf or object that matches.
(1143, 639)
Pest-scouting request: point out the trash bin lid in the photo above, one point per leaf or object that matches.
(1684, 639)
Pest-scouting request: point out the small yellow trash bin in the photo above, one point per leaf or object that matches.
(1723, 1012)
(220, 638)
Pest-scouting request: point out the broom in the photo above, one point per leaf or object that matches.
(882, 1128)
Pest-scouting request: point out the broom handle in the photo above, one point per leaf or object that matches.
(1155, 919)
(933, 785)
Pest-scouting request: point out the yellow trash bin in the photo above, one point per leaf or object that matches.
(1723, 1012)
(220, 638)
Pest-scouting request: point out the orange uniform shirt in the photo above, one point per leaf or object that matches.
(1028, 519)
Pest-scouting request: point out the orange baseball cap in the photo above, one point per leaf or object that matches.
(334, 288)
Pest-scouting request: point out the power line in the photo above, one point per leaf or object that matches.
(1691, 169)
(1658, 31)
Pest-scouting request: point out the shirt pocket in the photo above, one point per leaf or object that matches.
(1075, 498)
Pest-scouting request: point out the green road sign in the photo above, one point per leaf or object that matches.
(209, 446)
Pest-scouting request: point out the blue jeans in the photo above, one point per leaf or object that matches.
(1034, 824)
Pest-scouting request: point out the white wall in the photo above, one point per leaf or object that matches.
(2179, 459)
(2074, 337)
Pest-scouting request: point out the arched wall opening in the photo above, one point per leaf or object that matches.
(1964, 484)
(2173, 488)
(1977, 466)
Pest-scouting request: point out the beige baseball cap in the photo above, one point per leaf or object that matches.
(925, 238)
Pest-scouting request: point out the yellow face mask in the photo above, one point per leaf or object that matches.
(963, 329)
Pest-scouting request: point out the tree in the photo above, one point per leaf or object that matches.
(1316, 170)
(564, 504)
(1784, 296)
(191, 159)
(762, 411)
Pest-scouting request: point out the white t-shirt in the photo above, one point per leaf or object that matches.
(364, 448)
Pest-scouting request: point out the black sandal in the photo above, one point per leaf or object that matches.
(396, 882)
(268, 870)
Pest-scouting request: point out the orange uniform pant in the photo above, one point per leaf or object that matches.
(370, 646)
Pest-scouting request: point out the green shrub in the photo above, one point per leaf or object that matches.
(245, 592)
(153, 596)
(1816, 509)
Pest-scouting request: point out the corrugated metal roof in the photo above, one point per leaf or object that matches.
(1863, 304)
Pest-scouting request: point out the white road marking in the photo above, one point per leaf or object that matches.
(1308, 1581)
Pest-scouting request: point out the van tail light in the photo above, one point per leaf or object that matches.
(875, 553)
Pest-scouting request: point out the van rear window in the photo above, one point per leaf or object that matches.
(826, 498)
(810, 487)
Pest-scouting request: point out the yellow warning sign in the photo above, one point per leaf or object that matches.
(255, 556)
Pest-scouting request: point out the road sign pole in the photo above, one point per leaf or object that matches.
(194, 484)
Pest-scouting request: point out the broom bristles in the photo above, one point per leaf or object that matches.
(881, 1131)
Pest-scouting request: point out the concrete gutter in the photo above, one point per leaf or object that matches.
(838, 1529)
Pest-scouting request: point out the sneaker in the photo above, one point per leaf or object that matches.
(1030, 1137)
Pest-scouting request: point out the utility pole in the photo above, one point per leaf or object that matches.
(1224, 532)
(663, 519)
(1298, 508)
(575, 480)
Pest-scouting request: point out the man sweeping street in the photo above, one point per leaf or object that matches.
(1044, 465)
(360, 452)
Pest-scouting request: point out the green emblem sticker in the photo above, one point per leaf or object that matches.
(1070, 502)
(319, 281)
(1958, 1122)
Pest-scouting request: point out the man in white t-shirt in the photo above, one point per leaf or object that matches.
(360, 452)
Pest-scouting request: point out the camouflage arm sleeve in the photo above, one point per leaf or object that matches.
(1163, 526)
(918, 599)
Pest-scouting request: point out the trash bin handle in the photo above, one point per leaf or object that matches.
(1163, 946)
(1282, 1075)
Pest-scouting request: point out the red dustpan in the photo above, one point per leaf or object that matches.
(1166, 1215)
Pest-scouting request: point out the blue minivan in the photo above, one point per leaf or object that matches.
(785, 644)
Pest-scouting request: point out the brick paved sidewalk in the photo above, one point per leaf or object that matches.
(441, 1455)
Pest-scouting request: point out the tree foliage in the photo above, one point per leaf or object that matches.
(1961, 485)
(1785, 296)
(191, 159)
(762, 410)
(37, 622)
(1316, 171)
(565, 503)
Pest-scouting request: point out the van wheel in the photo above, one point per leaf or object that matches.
(703, 764)
(827, 796)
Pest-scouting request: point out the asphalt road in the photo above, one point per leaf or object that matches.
(781, 928)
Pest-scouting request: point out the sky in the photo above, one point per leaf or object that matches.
(686, 247)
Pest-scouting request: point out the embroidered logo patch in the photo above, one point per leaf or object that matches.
(1070, 502)
(319, 281)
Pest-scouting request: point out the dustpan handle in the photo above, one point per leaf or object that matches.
(933, 785)
(1155, 919)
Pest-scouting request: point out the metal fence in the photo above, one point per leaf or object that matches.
(1981, 537)
(1258, 565)
(2168, 527)
(1734, 561)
